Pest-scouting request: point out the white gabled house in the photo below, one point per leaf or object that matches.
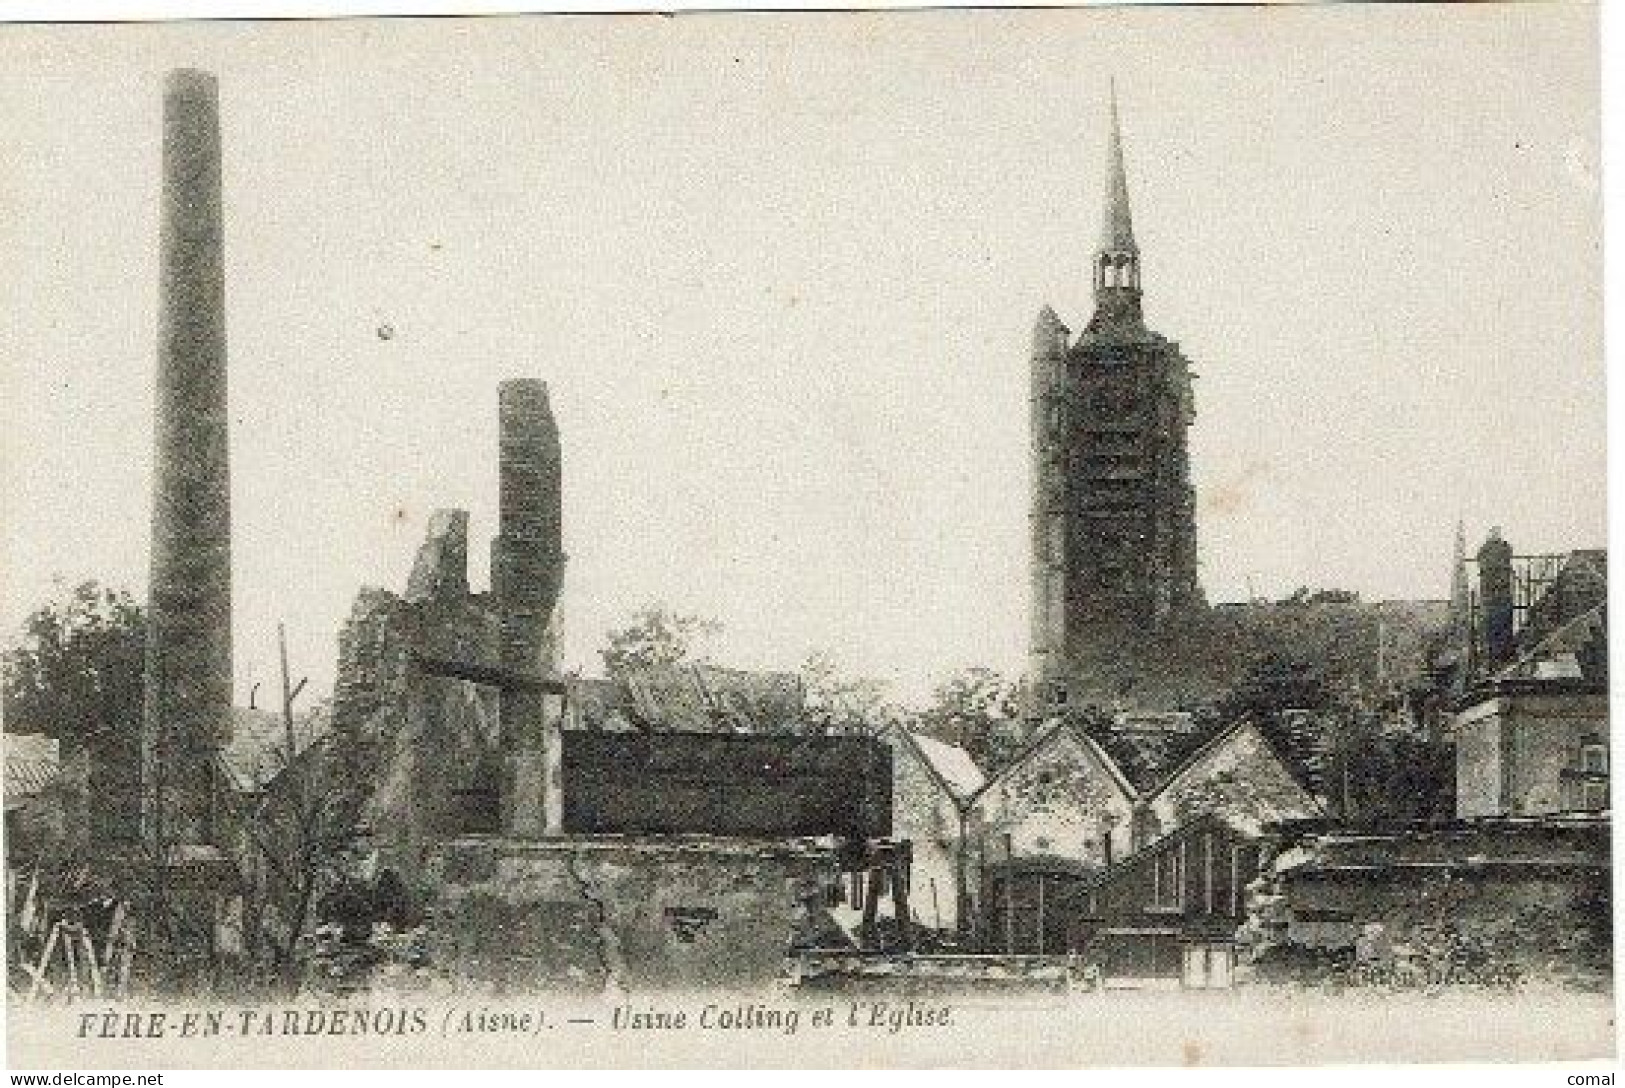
(932, 785)
(1062, 798)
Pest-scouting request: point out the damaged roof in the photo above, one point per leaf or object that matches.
(1577, 650)
(1559, 840)
(690, 699)
(1146, 758)
(1149, 762)
(33, 761)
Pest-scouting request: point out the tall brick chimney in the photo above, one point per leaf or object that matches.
(1495, 599)
(187, 705)
(1047, 397)
(527, 571)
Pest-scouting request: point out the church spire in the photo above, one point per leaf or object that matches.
(1117, 260)
(1117, 226)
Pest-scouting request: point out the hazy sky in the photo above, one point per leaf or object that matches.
(780, 273)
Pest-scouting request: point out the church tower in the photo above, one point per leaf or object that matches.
(1113, 511)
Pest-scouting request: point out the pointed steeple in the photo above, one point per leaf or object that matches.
(1117, 261)
(1117, 225)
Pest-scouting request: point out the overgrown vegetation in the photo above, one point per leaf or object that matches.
(657, 636)
(76, 674)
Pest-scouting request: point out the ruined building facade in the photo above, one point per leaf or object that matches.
(442, 691)
(583, 835)
(1113, 510)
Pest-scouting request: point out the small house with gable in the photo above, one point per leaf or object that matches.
(1051, 819)
(1238, 774)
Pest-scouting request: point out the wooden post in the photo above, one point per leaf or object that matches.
(92, 968)
(871, 901)
(289, 694)
(113, 928)
(1207, 872)
(553, 763)
(44, 960)
(304, 879)
(70, 959)
(1235, 880)
(126, 955)
(1040, 914)
(28, 914)
(963, 919)
(902, 864)
(1009, 895)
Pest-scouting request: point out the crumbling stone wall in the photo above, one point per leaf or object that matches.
(633, 915)
(1491, 904)
(420, 750)
(369, 693)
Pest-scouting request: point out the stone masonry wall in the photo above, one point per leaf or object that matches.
(927, 816)
(634, 915)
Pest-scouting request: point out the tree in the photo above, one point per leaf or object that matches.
(299, 839)
(299, 831)
(77, 673)
(1392, 774)
(842, 705)
(1303, 595)
(656, 636)
(1275, 682)
(979, 710)
(1356, 750)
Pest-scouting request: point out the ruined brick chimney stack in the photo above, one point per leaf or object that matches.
(527, 571)
(527, 560)
(187, 705)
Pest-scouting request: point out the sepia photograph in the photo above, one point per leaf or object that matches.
(970, 537)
